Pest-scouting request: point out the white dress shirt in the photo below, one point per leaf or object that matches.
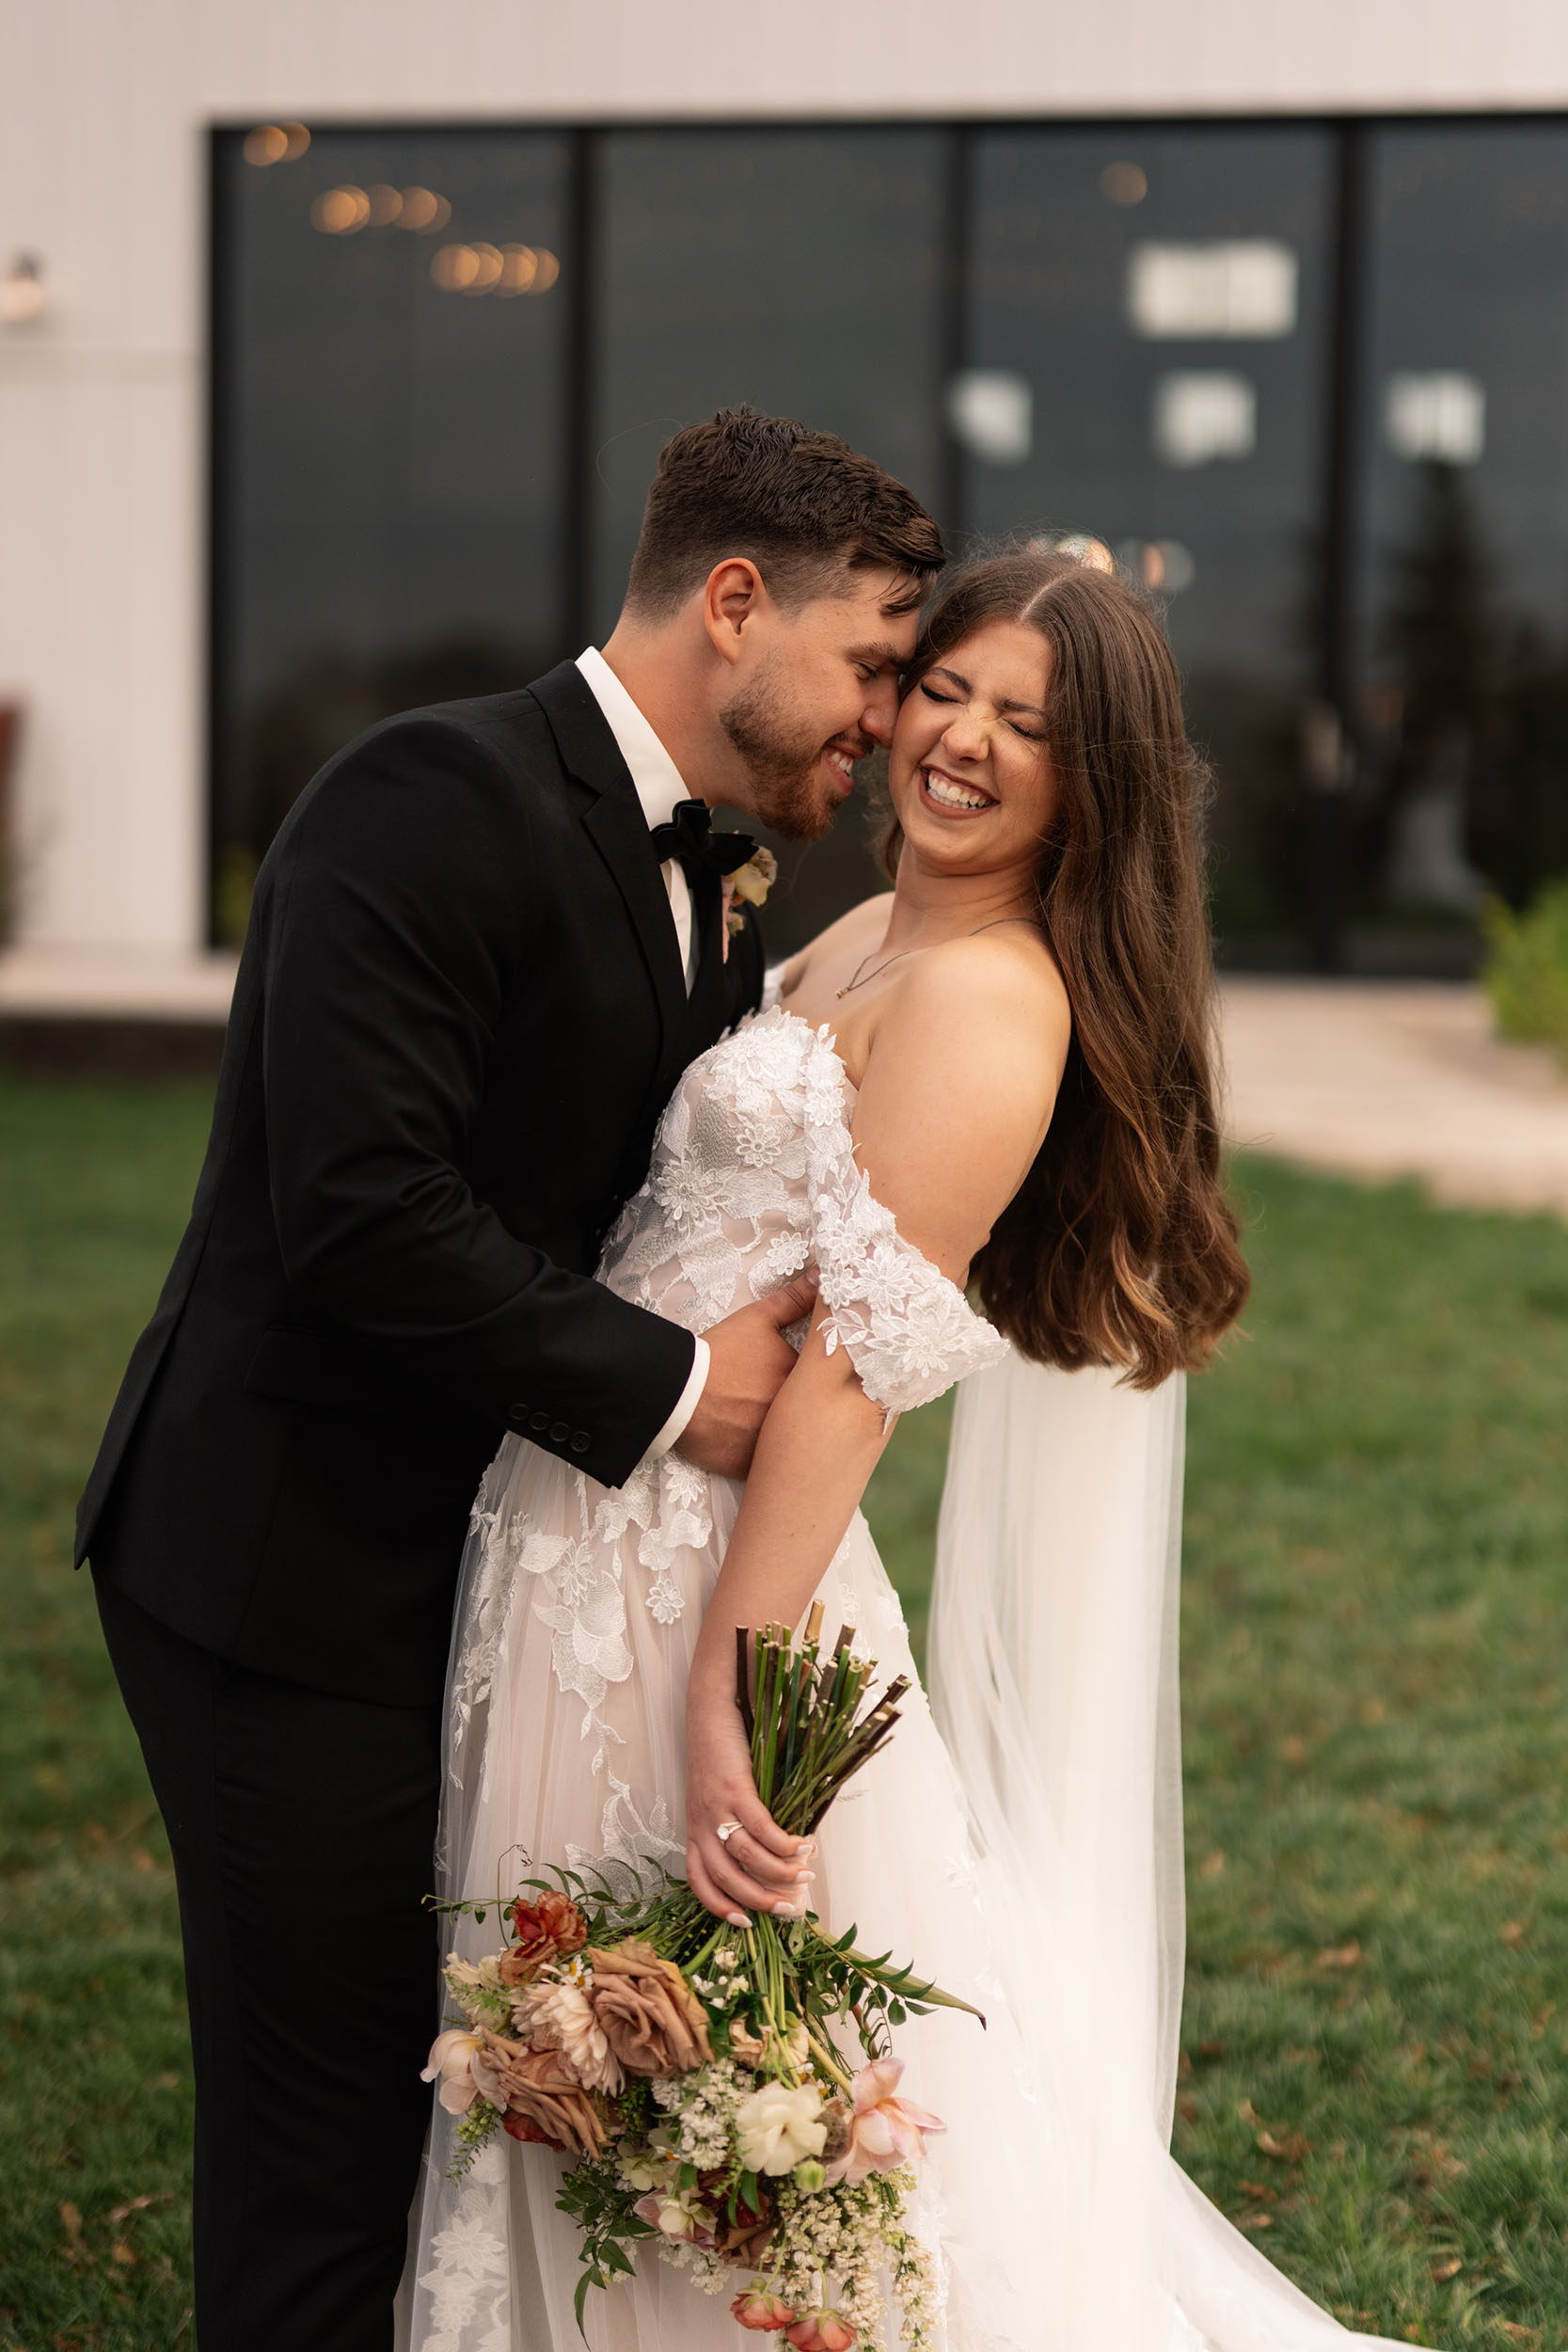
(659, 786)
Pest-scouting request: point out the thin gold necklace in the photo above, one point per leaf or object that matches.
(855, 981)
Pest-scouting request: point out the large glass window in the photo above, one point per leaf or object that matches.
(1307, 381)
(1153, 304)
(1464, 625)
(393, 342)
(801, 270)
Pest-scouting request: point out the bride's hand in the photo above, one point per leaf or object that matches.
(759, 1867)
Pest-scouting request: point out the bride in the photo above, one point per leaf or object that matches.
(999, 1079)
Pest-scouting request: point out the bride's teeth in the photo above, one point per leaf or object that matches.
(953, 795)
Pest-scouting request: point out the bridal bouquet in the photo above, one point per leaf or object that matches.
(697, 2075)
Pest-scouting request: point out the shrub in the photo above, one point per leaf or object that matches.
(1526, 971)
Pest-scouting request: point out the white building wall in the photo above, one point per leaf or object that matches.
(102, 107)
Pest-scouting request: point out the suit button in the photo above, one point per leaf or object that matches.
(559, 1432)
(539, 1422)
(519, 1415)
(579, 1441)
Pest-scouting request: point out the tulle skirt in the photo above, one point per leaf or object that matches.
(1029, 1862)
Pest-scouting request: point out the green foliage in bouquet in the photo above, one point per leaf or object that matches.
(696, 2072)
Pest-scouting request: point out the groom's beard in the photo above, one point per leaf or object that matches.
(790, 792)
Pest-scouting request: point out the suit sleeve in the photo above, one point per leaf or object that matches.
(395, 924)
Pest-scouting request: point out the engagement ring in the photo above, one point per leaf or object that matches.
(725, 1831)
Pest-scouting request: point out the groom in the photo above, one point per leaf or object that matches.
(482, 950)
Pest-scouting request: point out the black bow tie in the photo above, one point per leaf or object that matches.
(690, 838)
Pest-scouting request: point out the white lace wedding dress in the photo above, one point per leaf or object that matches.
(1031, 1861)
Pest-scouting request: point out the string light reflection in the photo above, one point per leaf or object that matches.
(275, 143)
(341, 212)
(481, 269)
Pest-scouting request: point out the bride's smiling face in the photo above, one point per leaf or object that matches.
(969, 769)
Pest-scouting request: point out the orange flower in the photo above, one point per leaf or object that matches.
(757, 2309)
(551, 1929)
(540, 2086)
(821, 2331)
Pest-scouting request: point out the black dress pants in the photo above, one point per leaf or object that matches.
(302, 1827)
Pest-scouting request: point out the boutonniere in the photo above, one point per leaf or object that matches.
(750, 883)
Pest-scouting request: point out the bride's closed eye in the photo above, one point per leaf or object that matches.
(1029, 733)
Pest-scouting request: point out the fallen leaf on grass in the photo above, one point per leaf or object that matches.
(1246, 2112)
(1255, 2220)
(1340, 1956)
(1259, 2189)
(1450, 2269)
(1290, 2150)
(1188, 2109)
(1293, 1750)
(1515, 1932)
(120, 2252)
(72, 2221)
(1212, 1865)
(1520, 2334)
(142, 1860)
(135, 2204)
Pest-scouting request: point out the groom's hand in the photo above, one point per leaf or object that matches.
(751, 1360)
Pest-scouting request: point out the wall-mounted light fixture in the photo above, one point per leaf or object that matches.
(22, 291)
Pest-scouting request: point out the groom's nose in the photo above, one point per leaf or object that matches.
(881, 708)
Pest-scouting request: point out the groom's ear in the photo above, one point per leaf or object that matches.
(734, 601)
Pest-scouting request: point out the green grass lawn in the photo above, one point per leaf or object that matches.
(1377, 1553)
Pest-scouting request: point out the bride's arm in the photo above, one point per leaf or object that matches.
(951, 1111)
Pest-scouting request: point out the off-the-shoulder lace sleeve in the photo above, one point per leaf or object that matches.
(908, 1331)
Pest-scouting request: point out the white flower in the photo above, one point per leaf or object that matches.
(562, 2018)
(474, 1976)
(452, 2059)
(777, 2126)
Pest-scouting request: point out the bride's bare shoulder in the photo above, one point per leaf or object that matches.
(863, 925)
(988, 1009)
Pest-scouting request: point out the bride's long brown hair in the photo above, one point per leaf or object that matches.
(1120, 1247)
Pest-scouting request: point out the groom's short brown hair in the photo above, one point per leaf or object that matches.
(803, 505)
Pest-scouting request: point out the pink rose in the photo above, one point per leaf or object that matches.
(884, 2132)
(821, 2331)
(757, 2309)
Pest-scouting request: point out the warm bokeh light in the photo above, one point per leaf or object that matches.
(454, 268)
(519, 268)
(385, 204)
(422, 210)
(275, 143)
(1124, 184)
(341, 212)
(507, 269)
(267, 144)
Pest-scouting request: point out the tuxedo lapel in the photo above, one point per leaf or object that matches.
(615, 824)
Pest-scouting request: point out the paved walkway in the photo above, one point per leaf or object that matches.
(1397, 1079)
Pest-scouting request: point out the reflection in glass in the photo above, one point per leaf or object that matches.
(1166, 296)
(1465, 653)
(802, 271)
(392, 503)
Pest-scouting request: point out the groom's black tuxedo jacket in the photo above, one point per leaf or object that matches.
(459, 1012)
